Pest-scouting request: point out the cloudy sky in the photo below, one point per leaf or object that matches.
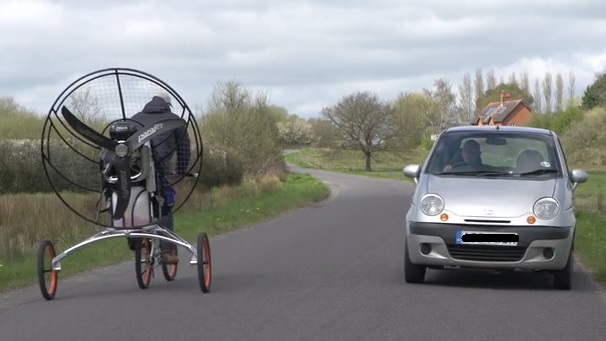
(304, 54)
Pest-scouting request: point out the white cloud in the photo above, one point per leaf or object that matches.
(306, 55)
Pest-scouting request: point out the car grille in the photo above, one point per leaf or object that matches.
(486, 253)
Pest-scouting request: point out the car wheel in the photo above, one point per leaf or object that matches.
(412, 273)
(562, 279)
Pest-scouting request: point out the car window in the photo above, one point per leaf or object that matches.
(509, 153)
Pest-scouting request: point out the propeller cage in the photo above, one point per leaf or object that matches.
(125, 174)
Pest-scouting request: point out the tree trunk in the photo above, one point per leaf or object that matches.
(368, 162)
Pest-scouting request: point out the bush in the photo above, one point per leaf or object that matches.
(221, 166)
(584, 139)
(21, 170)
(558, 122)
(241, 121)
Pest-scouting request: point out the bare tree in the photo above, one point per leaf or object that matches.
(512, 79)
(230, 96)
(559, 100)
(547, 91)
(491, 80)
(446, 111)
(363, 122)
(524, 82)
(537, 96)
(571, 85)
(241, 120)
(466, 97)
(85, 106)
(478, 87)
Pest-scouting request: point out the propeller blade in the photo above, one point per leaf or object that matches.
(122, 166)
(85, 131)
(148, 132)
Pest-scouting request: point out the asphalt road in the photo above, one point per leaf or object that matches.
(332, 271)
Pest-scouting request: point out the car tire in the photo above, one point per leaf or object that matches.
(562, 279)
(413, 273)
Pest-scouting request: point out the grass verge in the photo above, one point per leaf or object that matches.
(221, 210)
(384, 165)
(591, 225)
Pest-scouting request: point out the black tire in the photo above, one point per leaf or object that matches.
(46, 251)
(413, 273)
(562, 279)
(169, 271)
(204, 264)
(145, 272)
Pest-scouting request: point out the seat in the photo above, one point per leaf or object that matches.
(457, 157)
(528, 161)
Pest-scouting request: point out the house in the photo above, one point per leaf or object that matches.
(506, 112)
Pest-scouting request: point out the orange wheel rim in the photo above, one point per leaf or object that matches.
(53, 273)
(148, 267)
(207, 268)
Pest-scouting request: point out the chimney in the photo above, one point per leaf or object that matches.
(505, 97)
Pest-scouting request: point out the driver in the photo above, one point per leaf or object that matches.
(471, 154)
(164, 146)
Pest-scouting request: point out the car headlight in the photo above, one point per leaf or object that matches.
(546, 208)
(432, 204)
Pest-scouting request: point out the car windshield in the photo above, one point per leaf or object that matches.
(494, 153)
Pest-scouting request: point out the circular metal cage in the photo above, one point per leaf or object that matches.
(76, 151)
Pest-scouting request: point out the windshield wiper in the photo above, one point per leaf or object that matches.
(477, 173)
(539, 172)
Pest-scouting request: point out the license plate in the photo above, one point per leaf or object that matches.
(487, 238)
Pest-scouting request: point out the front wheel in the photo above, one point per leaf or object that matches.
(412, 273)
(204, 264)
(562, 279)
(46, 252)
(143, 262)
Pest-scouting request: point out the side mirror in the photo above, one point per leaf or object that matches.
(578, 176)
(412, 171)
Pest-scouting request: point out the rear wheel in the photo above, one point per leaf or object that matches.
(169, 271)
(412, 273)
(204, 264)
(46, 253)
(144, 266)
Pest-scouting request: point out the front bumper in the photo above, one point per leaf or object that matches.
(538, 248)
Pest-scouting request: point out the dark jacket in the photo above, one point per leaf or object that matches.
(166, 144)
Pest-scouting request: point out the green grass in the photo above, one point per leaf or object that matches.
(224, 215)
(591, 225)
(384, 165)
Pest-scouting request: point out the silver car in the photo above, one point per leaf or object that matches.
(493, 197)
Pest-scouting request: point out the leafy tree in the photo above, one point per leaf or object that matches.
(494, 95)
(595, 93)
(411, 119)
(362, 121)
(323, 133)
(294, 131)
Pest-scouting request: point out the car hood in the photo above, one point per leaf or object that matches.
(489, 197)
